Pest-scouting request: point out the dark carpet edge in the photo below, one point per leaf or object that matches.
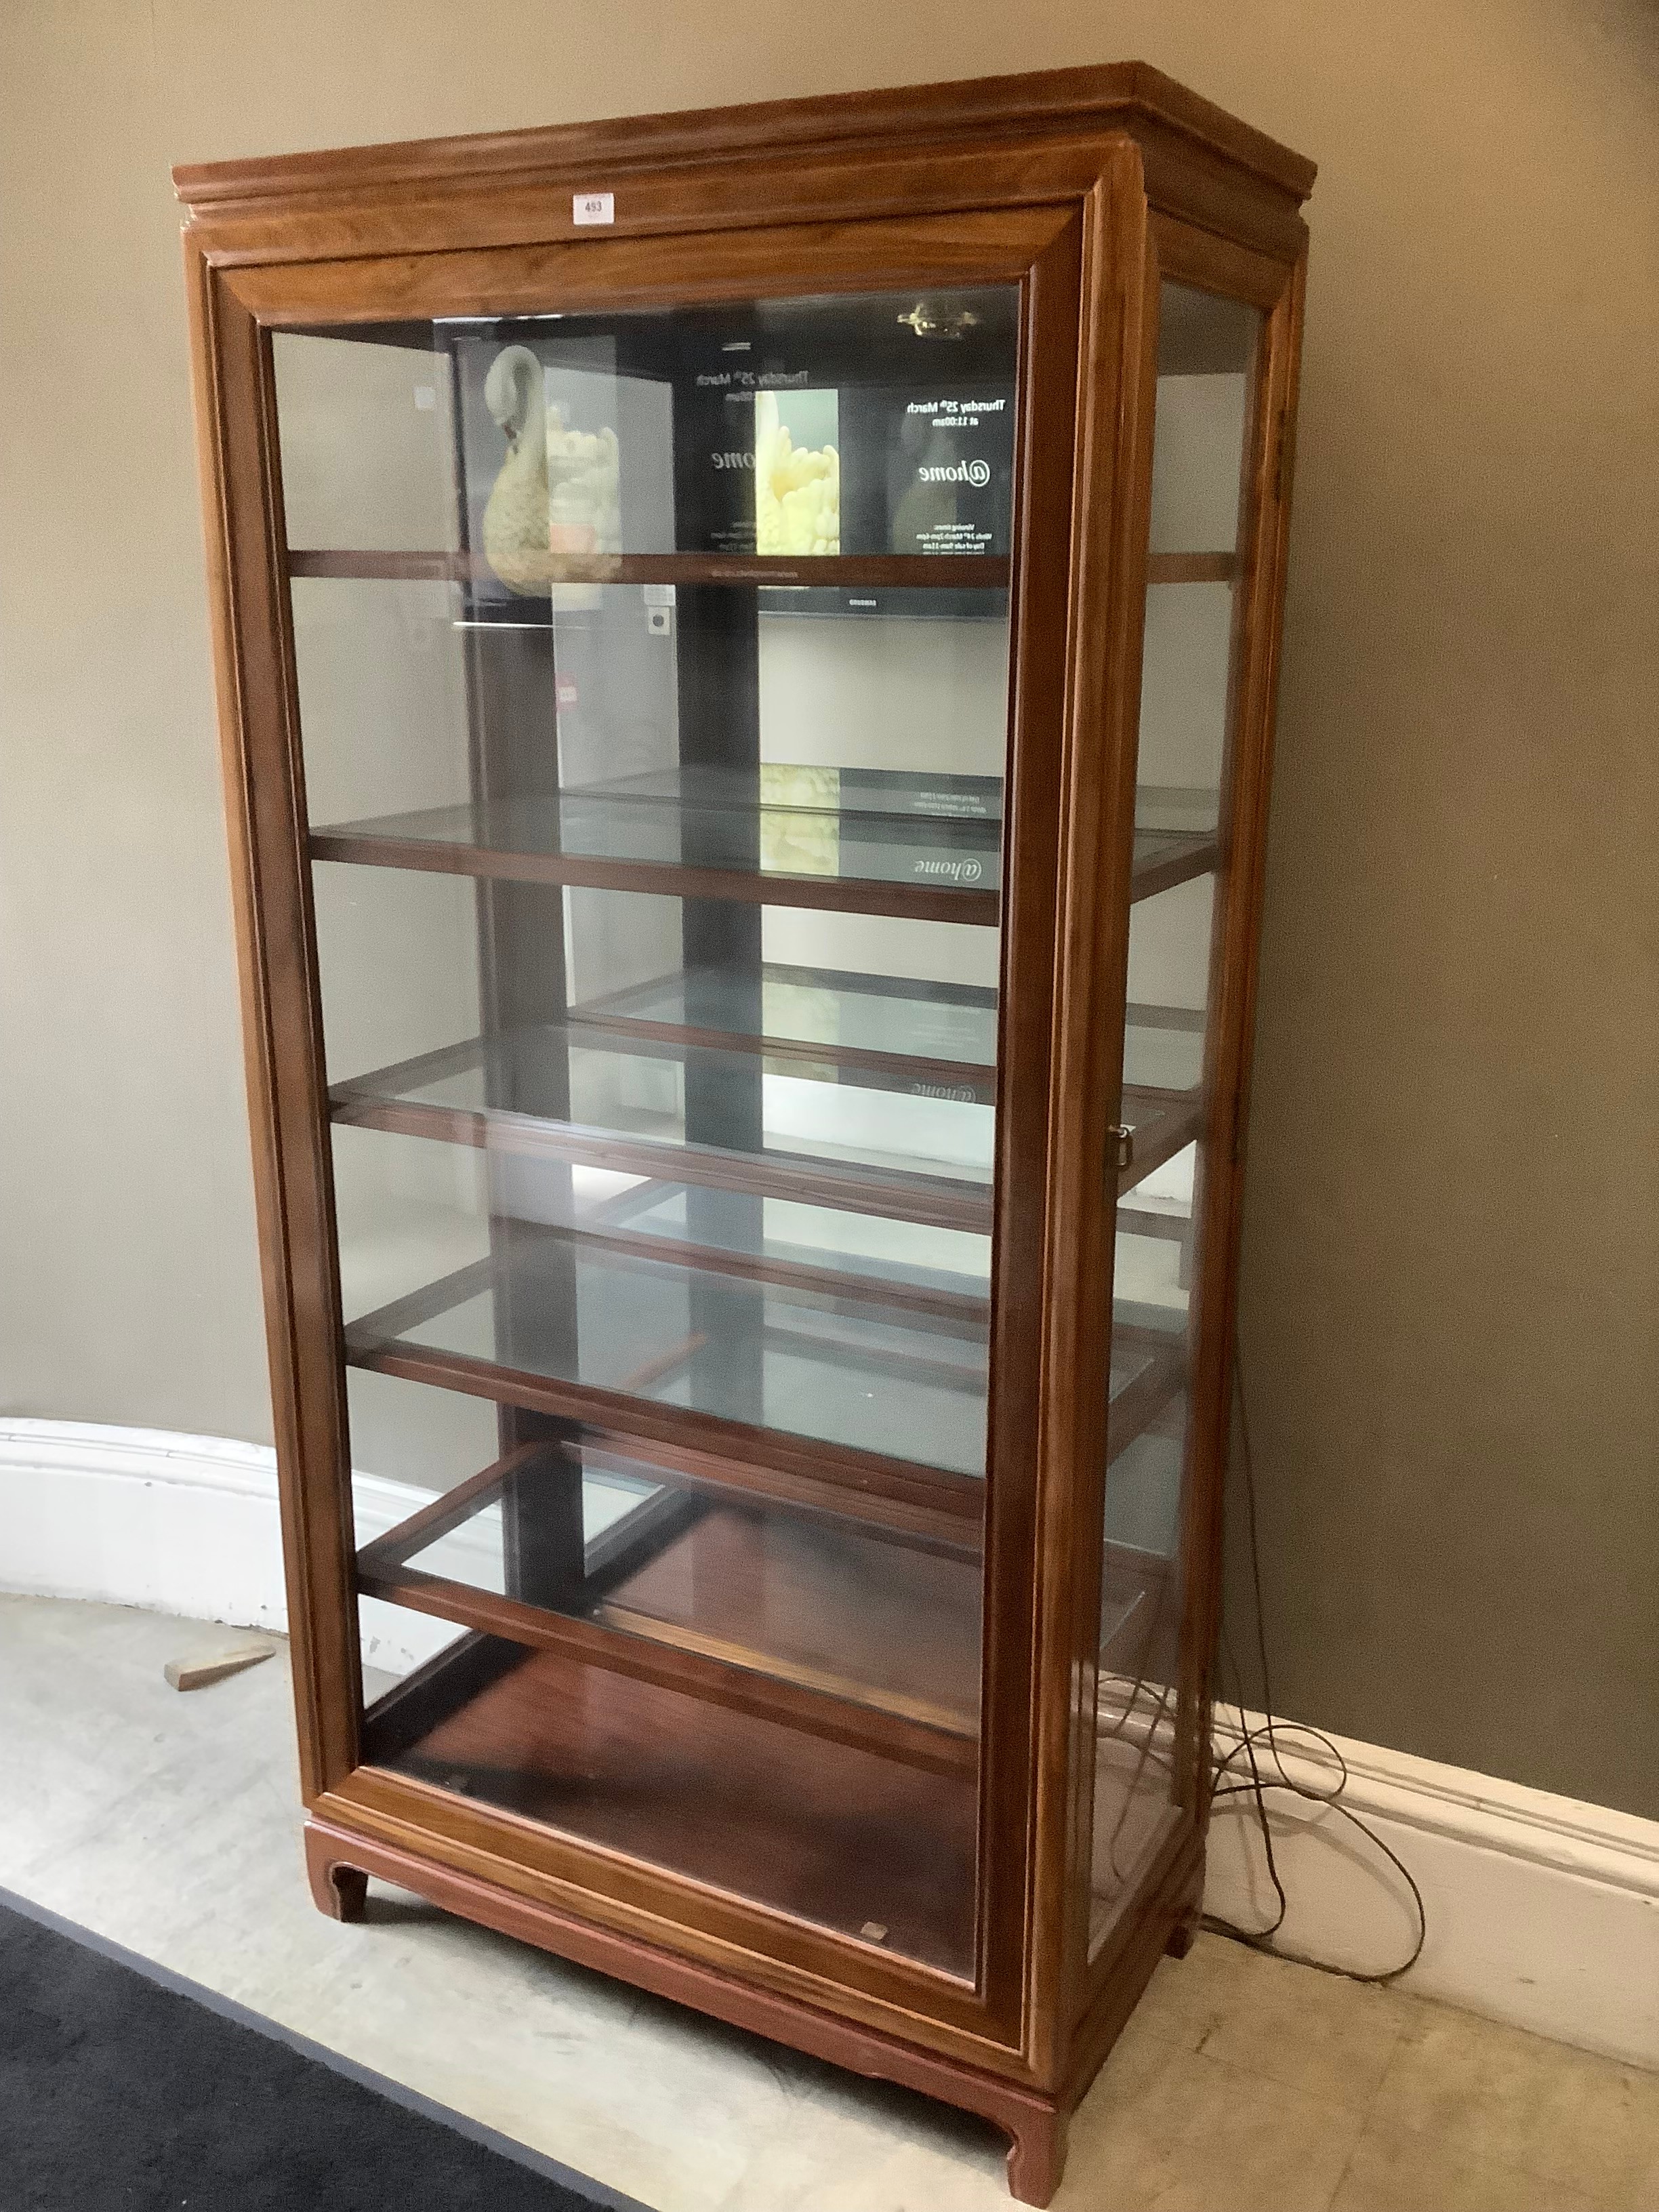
(395, 2093)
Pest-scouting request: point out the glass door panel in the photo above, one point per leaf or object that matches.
(1207, 356)
(654, 674)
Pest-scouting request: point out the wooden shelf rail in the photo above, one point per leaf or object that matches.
(892, 1195)
(815, 1701)
(905, 571)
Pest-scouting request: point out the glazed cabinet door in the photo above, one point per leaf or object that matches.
(673, 695)
(1209, 625)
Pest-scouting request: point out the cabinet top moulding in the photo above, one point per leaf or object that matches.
(1012, 139)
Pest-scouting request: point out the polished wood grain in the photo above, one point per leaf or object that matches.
(912, 572)
(914, 901)
(1172, 859)
(869, 571)
(1083, 187)
(914, 253)
(1191, 567)
(826, 1831)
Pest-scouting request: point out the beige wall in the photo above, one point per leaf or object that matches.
(1451, 1298)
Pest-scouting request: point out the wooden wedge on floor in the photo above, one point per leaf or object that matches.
(196, 1674)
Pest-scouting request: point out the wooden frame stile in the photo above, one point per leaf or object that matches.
(282, 1023)
(1085, 187)
(1111, 529)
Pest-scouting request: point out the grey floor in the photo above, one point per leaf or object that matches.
(169, 1823)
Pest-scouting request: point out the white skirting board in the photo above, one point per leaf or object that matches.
(180, 1524)
(1542, 1911)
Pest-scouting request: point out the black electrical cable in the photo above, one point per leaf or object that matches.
(1258, 1786)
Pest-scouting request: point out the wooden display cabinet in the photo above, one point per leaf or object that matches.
(746, 650)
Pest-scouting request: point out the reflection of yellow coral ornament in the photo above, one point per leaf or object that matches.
(800, 826)
(797, 495)
(584, 480)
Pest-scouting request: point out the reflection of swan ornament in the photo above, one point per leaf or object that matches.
(515, 540)
(558, 494)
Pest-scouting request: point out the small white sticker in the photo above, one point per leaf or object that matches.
(426, 398)
(594, 207)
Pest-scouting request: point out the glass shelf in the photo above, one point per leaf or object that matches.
(692, 1563)
(923, 866)
(918, 1150)
(932, 1037)
(895, 1155)
(857, 1372)
(891, 1390)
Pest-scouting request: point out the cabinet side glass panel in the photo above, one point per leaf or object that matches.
(653, 677)
(1206, 357)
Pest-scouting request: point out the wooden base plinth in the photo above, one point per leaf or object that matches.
(338, 1865)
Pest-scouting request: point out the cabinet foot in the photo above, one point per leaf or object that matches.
(1037, 2158)
(340, 1891)
(1184, 1934)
